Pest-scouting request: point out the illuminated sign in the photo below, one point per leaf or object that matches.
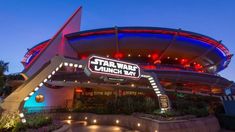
(112, 67)
(164, 101)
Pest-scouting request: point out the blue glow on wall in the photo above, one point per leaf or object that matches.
(31, 103)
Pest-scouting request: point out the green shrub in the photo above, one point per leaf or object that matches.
(8, 121)
(38, 121)
(19, 127)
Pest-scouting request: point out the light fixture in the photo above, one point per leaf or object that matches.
(36, 89)
(151, 78)
(53, 73)
(45, 80)
(76, 81)
(132, 85)
(23, 120)
(39, 98)
(94, 121)
(168, 57)
(70, 64)
(21, 115)
(66, 64)
(176, 58)
(138, 124)
(64, 80)
(117, 83)
(40, 84)
(75, 65)
(80, 66)
(69, 117)
(57, 68)
(85, 118)
(49, 76)
(26, 98)
(61, 65)
(117, 121)
(139, 55)
(129, 55)
(155, 87)
(149, 56)
(153, 83)
(88, 82)
(31, 93)
(69, 121)
(107, 56)
(159, 94)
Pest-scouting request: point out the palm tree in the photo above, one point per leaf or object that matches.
(3, 69)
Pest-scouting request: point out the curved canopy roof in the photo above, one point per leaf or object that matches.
(165, 42)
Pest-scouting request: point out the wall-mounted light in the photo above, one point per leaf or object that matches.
(80, 66)
(138, 124)
(70, 64)
(94, 121)
(132, 85)
(75, 65)
(69, 117)
(117, 121)
(69, 121)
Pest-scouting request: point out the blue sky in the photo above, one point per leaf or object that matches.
(24, 23)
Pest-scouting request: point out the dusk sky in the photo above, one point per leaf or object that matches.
(25, 23)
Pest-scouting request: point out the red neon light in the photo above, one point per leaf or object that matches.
(154, 56)
(183, 61)
(118, 55)
(83, 57)
(150, 67)
(78, 90)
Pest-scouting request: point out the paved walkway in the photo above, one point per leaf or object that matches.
(97, 128)
(78, 126)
